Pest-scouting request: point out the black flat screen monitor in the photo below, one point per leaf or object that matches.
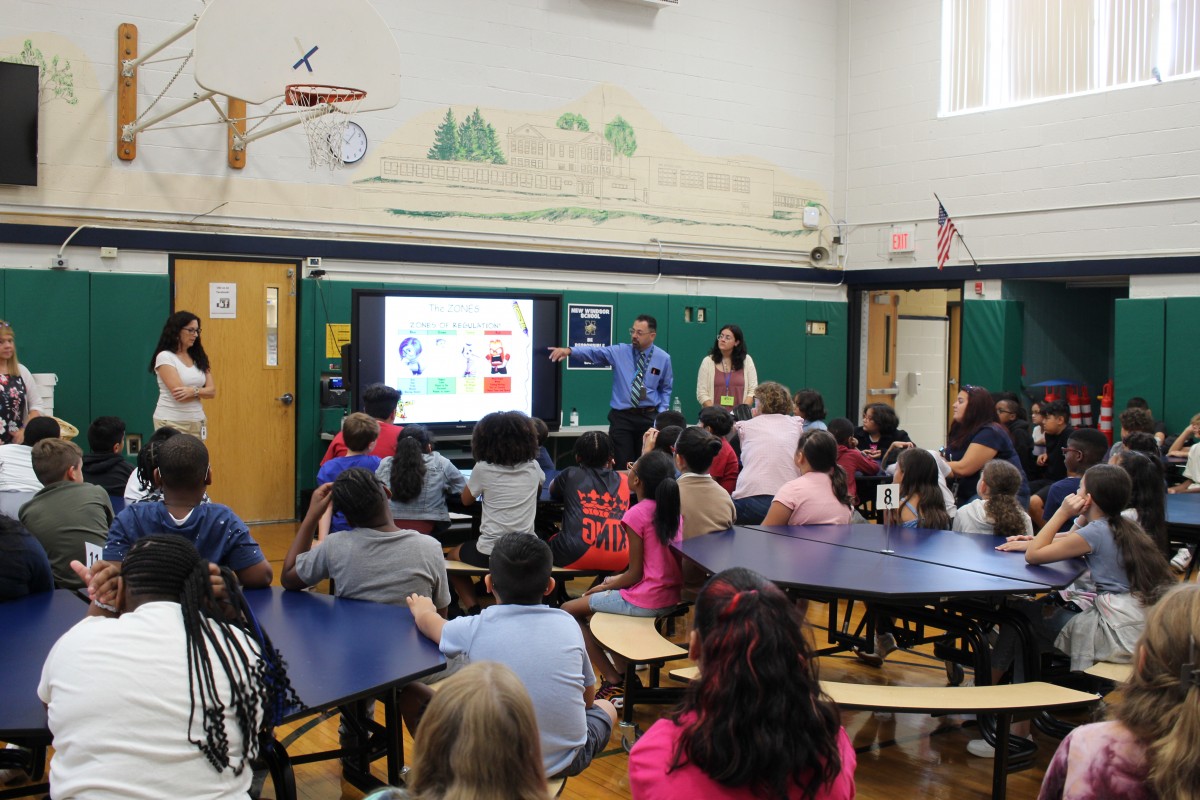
(457, 356)
(19, 131)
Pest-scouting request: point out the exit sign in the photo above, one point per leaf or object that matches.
(903, 239)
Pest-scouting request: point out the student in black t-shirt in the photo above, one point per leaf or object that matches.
(594, 498)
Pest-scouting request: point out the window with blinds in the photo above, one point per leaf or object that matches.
(998, 53)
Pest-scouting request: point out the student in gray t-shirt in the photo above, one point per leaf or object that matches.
(542, 645)
(374, 560)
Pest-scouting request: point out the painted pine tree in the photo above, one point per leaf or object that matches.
(445, 140)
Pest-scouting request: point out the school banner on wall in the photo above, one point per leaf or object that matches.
(588, 326)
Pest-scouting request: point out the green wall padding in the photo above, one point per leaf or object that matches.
(1181, 389)
(774, 331)
(1138, 354)
(1055, 345)
(131, 310)
(827, 364)
(992, 340)
(691, 342)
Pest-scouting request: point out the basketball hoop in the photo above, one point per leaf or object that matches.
(324, 112)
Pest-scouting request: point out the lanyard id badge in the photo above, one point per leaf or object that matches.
(727, 399)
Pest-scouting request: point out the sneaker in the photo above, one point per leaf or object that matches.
(980, 747)
(1181, 560)
(613, 693)
(884, 646)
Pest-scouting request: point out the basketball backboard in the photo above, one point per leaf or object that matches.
(252, 49)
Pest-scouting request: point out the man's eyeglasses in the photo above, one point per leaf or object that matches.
(633, 331)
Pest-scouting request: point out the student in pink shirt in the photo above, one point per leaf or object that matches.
(755, 723)
(653, 581)
(819, 495)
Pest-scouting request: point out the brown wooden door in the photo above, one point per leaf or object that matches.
(252, 349)
(954, 311)
(882, 321)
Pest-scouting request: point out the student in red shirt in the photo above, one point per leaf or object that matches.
(379, 401)
(725, 466)
(849, 457)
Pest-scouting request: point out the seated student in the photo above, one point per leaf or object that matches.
(360, 432)
(183, 472)
(665, 419)
(653, 580)
(372, 560)
(542, 432)
(1011, 415)
(420, 481)
(997, 511)
(594, 498)
(105, 466)
(1127, 570)
(1148, 498)
(755, 723)
(24, 567)
(1133, 420)
(849, 457)
(67, 512)
(379, 401)
(810, 407)
(819, 496)
(879, 431)
(1158, 428)
(725, 467)
(1191, 473)
(542, 645)
(18, 481)
(1147, 750)
(478, 738)
(706, 506)
(142, 486)
(507, 477)
(1085, 448)
(1183, 444)
(186, 695)
(1052, 463)
(921, 502)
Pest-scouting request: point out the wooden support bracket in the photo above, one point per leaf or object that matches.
(127, 91)
(236, 111)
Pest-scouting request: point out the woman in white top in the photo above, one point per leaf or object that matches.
(727, 375)
(20, 399)
(184, 377)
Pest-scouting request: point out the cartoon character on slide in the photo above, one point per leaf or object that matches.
(410, 354)
(497, 357)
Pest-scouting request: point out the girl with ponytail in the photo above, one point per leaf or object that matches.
(420, 479)
(819, 496)
(1127, 569)
(755, 723)
(651, 584)
(997, 510)
(921, 501)
(1147, 751)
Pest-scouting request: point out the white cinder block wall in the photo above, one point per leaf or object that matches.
(1109, 175)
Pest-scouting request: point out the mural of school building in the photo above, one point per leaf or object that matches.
(583, 168)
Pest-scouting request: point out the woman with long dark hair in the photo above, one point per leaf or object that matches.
(755, 723)
(188, 685)
(184, 376)
(976, 437)
(727, 375)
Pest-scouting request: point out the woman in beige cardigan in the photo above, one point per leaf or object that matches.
(727, 374)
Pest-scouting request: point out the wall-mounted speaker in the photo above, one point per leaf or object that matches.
(819, 256)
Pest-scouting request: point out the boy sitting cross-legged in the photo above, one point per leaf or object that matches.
(219, 535)
(542, 645)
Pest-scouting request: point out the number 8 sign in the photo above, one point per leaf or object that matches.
(887, 496)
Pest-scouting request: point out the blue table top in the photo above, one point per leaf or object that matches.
(1184, 509)
(965, 551)
(336, 650)
(831, 569)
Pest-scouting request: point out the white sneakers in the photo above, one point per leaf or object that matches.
(1181, 560)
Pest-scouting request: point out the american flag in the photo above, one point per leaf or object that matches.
(946, 231)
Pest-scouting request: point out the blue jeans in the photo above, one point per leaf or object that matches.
(752, 510)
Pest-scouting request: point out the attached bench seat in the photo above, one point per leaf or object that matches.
(1109, 671)
(1003, 700)
(561, 573)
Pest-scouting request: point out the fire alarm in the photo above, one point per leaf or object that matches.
(979, 288)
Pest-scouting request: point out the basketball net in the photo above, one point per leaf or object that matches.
(324, 112)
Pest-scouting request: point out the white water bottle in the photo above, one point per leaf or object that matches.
(676, 405)
(574, 418)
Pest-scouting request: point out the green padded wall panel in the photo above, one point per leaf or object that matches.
(1181, 389)
(49, 311)
(691, 341)
(1139, 353)
(129, 309)
(774, 331)
(992, 334)
(827, 363)
(588, 390)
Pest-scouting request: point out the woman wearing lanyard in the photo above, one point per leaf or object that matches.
(184, 377)
(20, 400)
(727, 375)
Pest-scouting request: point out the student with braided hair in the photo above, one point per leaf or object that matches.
(1147, 750)
(755, 723)
(167, 699)
(594, 498)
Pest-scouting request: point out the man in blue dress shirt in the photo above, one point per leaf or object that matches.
(641, 384)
